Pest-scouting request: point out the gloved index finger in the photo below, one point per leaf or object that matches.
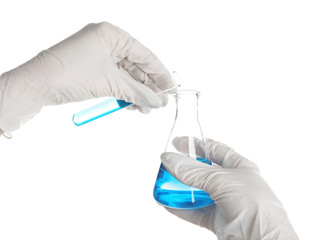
(139, 75)
(123, 46)
(145, 61)
(150, 64)
(225, 156)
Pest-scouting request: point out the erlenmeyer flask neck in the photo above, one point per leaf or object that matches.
(187, 106)
(186, 121)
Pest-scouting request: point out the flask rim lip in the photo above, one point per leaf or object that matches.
(186, 92)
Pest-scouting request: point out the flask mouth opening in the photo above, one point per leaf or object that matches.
(186, 92)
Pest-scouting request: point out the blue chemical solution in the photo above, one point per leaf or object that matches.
(103, 109)
(172, 193)
(99, 110)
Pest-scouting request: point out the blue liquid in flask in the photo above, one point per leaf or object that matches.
(170, 192)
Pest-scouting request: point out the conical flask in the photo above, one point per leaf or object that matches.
(168, 191)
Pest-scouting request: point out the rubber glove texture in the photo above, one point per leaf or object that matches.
(99, 60)
(245, 206)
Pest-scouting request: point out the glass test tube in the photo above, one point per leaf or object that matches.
(112, 105)
(99, 110)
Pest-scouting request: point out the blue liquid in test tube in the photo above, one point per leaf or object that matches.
(99, 110)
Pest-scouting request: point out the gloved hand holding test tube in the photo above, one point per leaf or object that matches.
(112, 105)
(100, 60)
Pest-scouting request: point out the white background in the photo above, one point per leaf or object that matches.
(257, 64)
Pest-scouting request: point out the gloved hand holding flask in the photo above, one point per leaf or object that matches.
(245, 206)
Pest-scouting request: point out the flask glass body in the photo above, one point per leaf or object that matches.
(168, 191)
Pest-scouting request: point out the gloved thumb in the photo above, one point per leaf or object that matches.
(190, 171)
(137, 93)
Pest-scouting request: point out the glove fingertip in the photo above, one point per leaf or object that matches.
(150, 100)
(144, 110)
(156, 102)
(165, 156)
(170, 159)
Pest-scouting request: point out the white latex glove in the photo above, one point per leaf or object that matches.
(99, 60)
(245, 207)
